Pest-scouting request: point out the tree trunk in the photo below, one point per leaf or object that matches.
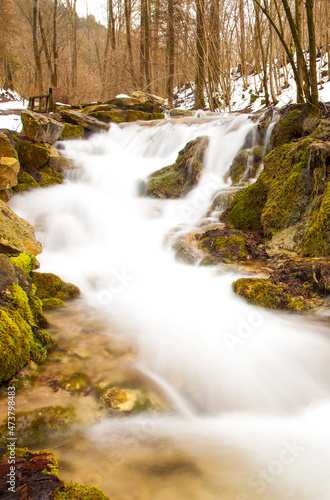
(214, 56)
(128, 10)
(36, 47)
(300, 95)
(243, 47)
(74, 47)
(170, 52)
(263, 57)
(55, 50)
(312, 55)
(200, 46)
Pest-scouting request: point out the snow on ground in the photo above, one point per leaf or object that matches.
(241, 99)
(11, 103)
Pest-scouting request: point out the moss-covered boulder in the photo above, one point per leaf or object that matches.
(87, 122)
(246, 208)
(288, 127)
(21, 338)
(16, 234)
(178, 179)
(270, 294)
(72, 131)
(31, 155)
(39, 475)
(47, 176)
(225, 245)
(41, 128)
(26, 182)
(50, 287)
(322, 131)
(115, 116)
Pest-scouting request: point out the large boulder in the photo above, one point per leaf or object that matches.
(178, 179)
(87, 122)
(6, 147)
(33, 156)
(293, 191)
(41, 128)
(16, 234)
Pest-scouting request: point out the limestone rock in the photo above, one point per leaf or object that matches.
(41, 128)
(71, 131)
(16, 234)
(87, 122)
(60, 163)
(9, 168)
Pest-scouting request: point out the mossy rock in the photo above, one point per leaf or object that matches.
(115, 116)
(289, 127)
(76, 491)
(6, 147)
(26, 183)
(39, 127)
(16, 234)
(25, 261)
(178, 179)
(42, 425)
(78, 383)
(246, 164)
(20, 336)
(227, 248)
(322, 132)
(32, 155)
(49, 286)
(316, 240)
(269, 294)
(52, 303)
(71, 131)
(50, 177)
(246, 208)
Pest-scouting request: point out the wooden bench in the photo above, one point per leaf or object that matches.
(44, 102)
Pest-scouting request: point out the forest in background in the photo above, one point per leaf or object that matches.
(162, 46)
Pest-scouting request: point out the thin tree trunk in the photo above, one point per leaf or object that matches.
(74, 47)
(128, 9)
(243, 47)
(36, 47)
(55, 50)
(298, 5)
(312, 54)
(200, 45)
(45, 46)
(263, 57)
(170, 52)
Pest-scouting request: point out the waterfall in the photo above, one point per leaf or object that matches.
(256, 383)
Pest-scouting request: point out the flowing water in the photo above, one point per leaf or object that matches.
(249, 390)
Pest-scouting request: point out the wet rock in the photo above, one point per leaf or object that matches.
(49, 287)
(184, 252)
(41, 128)
(178, 179)
(77, 383)
(120, 400)
(42, 425)
(181, 113)
(87, 122)
(246, 164)
(71, 131)
(16, 234)
(271, 294)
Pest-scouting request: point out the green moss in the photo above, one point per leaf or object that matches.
(239, 166)
(26, 182)
(25, 261)
(267, 293)
(32, 155)
(167, 184)
(49, 285)
(72, 132)
(316, 241)
(75, 491)
(288, 128)
(36, 306)
(246, 208)
(49, 177)
(52, 303)
(323, 130)
(114, 116)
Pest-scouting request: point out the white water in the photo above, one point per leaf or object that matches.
(254, 386)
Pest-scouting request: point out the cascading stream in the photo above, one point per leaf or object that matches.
(256, 383)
